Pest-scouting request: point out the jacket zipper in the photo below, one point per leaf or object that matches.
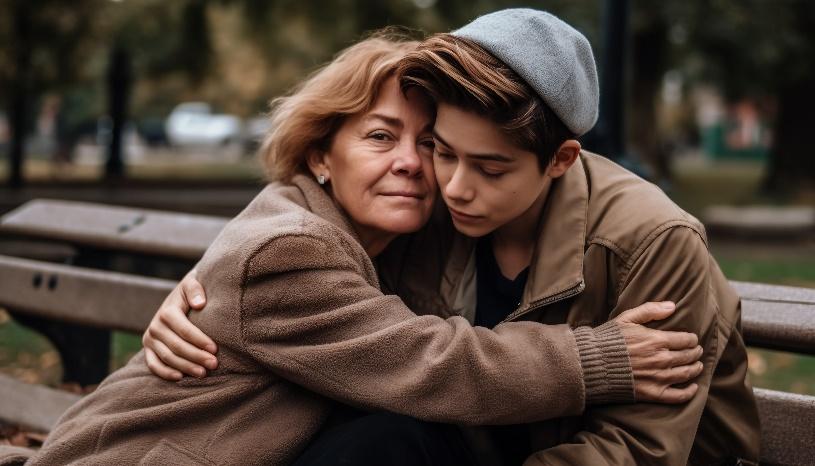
(575, 290)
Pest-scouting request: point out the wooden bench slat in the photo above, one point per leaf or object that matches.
(787, 426)
(93, 297)
(142, 231)
(35, 407)
(774, 293)
(780, 326)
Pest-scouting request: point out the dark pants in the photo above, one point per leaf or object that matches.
(388, 439)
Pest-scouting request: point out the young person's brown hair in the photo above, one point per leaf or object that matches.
(458, 72)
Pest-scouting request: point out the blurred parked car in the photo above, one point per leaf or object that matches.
(194, 124)
(255, 131)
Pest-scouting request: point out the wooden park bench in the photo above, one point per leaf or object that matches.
(774, 317)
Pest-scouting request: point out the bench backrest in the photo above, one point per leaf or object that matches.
(143, 231)
(99, 298)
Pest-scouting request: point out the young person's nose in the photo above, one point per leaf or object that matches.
(457, 187)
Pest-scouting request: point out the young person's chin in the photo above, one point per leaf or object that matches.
(472, 229)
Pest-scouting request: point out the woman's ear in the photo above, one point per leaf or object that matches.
(318, 165)
(565, 157)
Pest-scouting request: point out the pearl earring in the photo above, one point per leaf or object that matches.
(321, 179)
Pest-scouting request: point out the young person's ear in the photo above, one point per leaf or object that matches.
(565, 156)
(318, 165)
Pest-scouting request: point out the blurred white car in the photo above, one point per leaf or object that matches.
(194, 124)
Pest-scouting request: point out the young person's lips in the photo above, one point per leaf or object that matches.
(461, 216)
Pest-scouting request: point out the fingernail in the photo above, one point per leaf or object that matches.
(197, 300)
(200, 372)
(211, 363)
(211, 348)
(667, 305)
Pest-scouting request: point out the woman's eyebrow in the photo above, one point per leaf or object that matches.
(487, 156)
(388, 120)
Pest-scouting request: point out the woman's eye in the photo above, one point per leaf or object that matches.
(380, 136)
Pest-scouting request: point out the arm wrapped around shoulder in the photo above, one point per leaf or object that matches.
(311, 312)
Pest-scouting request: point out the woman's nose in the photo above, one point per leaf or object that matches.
(407, 161)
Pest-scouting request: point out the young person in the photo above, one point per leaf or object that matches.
(580, 236)
(554, 234)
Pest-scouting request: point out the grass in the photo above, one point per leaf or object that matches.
(783, 271)
(28, 356)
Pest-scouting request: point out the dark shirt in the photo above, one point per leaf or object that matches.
(498, 297)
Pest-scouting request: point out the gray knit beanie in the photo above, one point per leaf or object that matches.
(551, 56)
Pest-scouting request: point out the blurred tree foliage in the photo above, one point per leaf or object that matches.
(760, 48)
(239, 53)
(40, 44)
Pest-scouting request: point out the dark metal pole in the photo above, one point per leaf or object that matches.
(18, 116)
(119, 79)
(613, 91)
(607, 137)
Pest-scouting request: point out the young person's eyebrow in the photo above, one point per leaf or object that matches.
(389, 120)
(488, 157)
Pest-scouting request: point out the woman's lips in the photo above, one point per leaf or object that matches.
(461, 216)
(412, 194)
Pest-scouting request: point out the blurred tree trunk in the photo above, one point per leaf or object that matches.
(792, 162)
(649, 47)
(18, 111)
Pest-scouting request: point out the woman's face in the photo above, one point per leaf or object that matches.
(486, 180)
(380, 167)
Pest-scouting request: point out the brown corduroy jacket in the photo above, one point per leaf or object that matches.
(295, 306)
(609, 241)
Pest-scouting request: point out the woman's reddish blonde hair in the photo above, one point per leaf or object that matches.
(307, 118)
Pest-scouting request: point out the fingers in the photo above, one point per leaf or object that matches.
(679, 340)
(193, 292)
(159, 368)
(647, 312)
(661, 386)
(168, 358)
(685, 356)
(181, 347)
(644, 363)
(673, 395)
(681, 374)
(177, 322)
(668, 395)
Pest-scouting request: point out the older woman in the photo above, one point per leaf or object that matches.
(295, 306)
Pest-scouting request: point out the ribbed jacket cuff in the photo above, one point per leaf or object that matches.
(607, 373)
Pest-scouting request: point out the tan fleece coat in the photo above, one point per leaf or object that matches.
(609, 241)
(294, 304)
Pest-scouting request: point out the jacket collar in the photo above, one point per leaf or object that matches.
(320, 203)
(557, 264)
(556, 270)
